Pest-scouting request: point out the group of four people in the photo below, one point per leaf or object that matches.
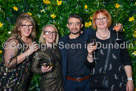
(64, 68)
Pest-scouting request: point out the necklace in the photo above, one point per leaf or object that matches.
(104, 37)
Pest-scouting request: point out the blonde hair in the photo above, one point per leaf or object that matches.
(42, 40)
(20, 19)
(104, 12)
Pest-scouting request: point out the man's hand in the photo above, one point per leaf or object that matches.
(118, 27)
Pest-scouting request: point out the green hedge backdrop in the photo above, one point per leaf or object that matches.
(56, 12)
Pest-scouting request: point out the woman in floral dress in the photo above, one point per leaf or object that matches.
(17, 51)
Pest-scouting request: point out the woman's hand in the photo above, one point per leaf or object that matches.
(130, 86)
(32, 48)
(46, 68)
(91, 48)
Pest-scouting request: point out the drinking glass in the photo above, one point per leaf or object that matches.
(49, 63)
(116, 29)
(93, 41)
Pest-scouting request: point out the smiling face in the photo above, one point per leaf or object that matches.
(101, 21)
(49, 34)
(74, 25)
(101, 18)
(26, 28)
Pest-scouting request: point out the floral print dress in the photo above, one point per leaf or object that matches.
(15, 77)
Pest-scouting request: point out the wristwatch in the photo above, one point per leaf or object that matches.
(130, 78)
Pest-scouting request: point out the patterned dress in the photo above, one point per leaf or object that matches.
(118, 59)
(16, 77)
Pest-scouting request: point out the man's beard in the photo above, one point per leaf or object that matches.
(75, 32)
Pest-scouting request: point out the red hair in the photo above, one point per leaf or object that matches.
(105, 13)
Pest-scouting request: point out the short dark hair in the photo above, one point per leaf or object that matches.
(74, 16)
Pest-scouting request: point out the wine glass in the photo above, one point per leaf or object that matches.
(116, 29)
(49, 63)
(93, 41)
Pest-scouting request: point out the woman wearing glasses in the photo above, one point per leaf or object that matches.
(15, 66)
(119, 70)
(47, 60)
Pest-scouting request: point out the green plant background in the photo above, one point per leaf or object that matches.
(42, 12)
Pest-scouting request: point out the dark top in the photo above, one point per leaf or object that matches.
(119, 58)
(77, 57)
(15, 78)
(82, 54)
(50, 81)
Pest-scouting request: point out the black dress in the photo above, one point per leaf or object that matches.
(50, 81)
(119, 57)
(15, 78)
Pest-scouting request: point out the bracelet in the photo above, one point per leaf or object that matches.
(25, 55)
(130, 78)
(90, 56)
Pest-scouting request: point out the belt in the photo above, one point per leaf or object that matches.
(78, 79)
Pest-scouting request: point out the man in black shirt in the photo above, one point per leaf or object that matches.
(74, 56)
(75, 72)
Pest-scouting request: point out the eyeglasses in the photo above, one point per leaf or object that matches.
(99, 19)
(49, 32)
(27, 26)
(76, 24)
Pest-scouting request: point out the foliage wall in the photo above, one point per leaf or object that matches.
(56, 12)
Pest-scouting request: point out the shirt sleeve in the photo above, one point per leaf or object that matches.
(36, 68)
(125, 57)
(90, 65)
(111, 28)
(88, 32)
